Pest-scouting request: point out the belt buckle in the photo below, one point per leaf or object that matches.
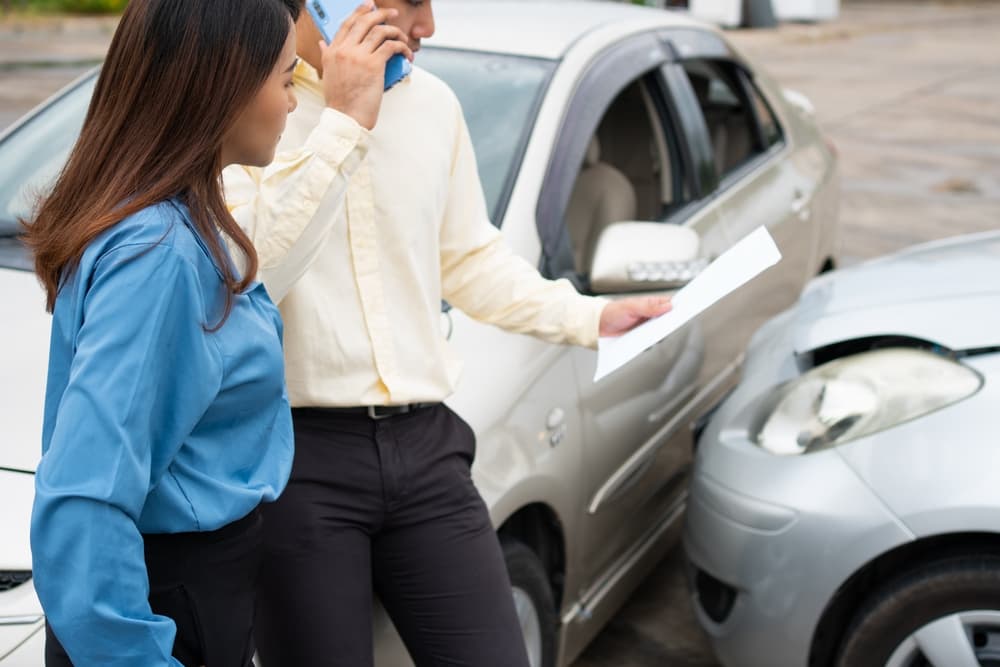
(373, 411)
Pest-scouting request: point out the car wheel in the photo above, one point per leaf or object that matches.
(945, 614)
(533, 601)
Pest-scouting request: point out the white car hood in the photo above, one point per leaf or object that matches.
(947, 292)
(24, 358)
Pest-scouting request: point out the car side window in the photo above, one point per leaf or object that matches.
(770, 130)
(630, 171)
(730, 117)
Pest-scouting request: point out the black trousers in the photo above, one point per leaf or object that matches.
(206, 582)
(388, 504)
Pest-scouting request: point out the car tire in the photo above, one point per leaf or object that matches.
(895, 622)
(533, 601)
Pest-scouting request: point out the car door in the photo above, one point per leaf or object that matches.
(760, 183)
(635, 467)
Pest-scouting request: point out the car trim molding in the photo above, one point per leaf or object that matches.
(582, 610)
(643, 456)
(20, 620)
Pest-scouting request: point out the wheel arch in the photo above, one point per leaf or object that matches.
(538, 527)
(844, 603)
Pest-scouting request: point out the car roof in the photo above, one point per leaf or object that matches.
(539, 28)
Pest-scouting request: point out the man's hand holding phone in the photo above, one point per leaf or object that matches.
(354, 62)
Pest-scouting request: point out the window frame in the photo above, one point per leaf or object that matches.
(596, 88)
(751, 89)
(651, 54)
(738, 72)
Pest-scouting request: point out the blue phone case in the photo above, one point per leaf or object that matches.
(329, 14)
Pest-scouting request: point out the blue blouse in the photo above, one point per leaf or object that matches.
(153, 424)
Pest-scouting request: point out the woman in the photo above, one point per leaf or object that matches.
(166, 417)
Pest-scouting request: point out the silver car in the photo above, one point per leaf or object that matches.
(619, 147)
(845, 504)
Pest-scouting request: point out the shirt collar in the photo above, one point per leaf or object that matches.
(305, 76)
(185, 213)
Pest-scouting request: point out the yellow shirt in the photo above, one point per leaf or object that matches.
(360, 236)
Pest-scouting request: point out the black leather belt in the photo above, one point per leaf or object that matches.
(373, 411)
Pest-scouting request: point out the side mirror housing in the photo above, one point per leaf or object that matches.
(645, 256)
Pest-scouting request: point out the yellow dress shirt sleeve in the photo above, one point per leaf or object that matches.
(482, 276)
(288, 208)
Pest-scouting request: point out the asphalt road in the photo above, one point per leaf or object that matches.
(908, 91)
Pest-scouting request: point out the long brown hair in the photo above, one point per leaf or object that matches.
(177, 75)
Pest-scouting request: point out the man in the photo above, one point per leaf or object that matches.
(380, 492)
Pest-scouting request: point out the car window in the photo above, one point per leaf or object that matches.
(729, 118)
(32, 157)
(499, 96)
(631, 171)
(770, 129)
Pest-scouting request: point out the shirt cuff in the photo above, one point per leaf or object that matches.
(336, 137)
(590, 321)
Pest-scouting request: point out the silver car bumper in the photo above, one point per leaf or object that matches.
(770, 539)
(763, 573)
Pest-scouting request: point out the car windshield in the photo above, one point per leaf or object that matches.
(499, 96)
(31, 158)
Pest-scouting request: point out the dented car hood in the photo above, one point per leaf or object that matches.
(946, 293)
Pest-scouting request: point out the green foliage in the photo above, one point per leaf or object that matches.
(78, 6)
(93, 6)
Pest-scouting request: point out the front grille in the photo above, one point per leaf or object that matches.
(13, 578)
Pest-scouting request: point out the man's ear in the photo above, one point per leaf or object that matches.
(307, 38)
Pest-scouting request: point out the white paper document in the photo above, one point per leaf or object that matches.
(733, 268)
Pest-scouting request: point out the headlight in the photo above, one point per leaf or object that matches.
(859, 395)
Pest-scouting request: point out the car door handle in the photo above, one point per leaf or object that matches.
(555, 426)
(800, 206)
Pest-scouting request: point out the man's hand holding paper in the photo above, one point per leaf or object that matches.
(620, 317)
(737, 266)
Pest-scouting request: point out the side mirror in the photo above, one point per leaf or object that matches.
(645, 256)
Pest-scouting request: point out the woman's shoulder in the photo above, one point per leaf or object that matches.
(164, 226)
(157, 224)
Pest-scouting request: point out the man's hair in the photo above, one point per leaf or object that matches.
(295, 7)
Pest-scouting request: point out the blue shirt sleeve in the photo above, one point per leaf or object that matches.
(143, 371)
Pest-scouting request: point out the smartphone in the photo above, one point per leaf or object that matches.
(329, 14)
